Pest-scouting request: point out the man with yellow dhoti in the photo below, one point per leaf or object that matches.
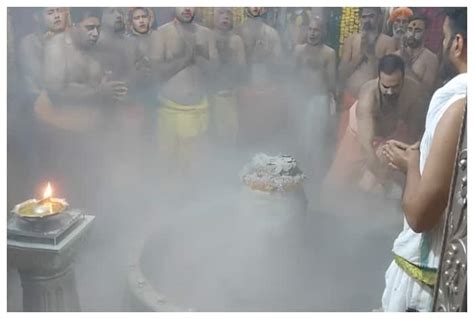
(181, 54)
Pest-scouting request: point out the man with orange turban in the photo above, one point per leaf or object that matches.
(398, 19)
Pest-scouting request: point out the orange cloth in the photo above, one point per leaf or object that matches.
(347, 101)
(350, 163)
(400, 11)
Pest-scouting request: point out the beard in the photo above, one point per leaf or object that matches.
(390, 100)
(387, 100)
(413, 43)
(367, 26)
(185, 20)
(447, 69)
(119, 26)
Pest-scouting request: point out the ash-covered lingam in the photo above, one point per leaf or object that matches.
(273, 192)
(42, 238)
(272, 173)
(251, 262)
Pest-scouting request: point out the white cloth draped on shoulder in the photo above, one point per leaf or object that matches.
(422, 249)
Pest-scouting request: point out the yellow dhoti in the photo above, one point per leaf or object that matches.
(180, 127)
(224, 117)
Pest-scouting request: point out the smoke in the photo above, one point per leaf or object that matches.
(206, 243)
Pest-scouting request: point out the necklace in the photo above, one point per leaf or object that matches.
(414, 58)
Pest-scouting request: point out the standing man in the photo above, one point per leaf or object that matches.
(428, 166)
(421, 63)
(388, 107)
(360, 54)
(74, 78)
(297, 21)
(73, 110)
(115, 53)
(316, 71)
(112, 49)
(261, 96)
(51, 21)
(227, 78)
(399, 20)
(140, 42)
(182, 53)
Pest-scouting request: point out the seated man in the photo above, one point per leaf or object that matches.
(388, 107)
(411, 277)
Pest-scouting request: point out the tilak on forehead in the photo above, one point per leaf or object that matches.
(417, 23)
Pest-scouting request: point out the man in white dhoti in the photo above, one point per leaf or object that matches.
(315, 66)
(428, 165)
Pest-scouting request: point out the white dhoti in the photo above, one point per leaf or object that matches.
(311, 125)
(403, 292)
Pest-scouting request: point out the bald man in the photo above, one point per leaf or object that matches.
(316, 71)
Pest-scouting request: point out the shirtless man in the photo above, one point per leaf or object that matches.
(297, 21)
(73, 112)
(389, 106)
(261, 96)
(261, 42)
(316, 69)
(316, 60)
(227, 78)
(74, 78)
(112, 51)
(399, 19)
(181, 54)
(360, 54)
(140, 38)
(51, 21)
(421, 63)
(115, 53)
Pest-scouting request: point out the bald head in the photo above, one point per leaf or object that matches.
(315, 31)
(223, 18)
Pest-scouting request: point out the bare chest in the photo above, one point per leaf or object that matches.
(380, 46)
(177, 42)
(81, 67)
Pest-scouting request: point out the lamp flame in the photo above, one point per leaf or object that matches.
(48, 191)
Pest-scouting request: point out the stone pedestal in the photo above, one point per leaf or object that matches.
(43, 251)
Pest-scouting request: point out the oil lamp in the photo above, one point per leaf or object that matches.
(43, 237)
(47, 206)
